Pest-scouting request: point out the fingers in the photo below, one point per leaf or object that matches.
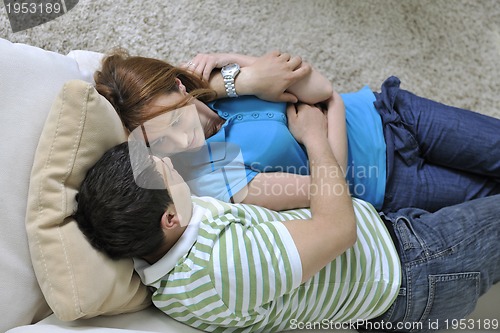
(288, 98)
(274, 53)
(297, 109)
(291, 111)
(295, 62)
(201, 65)
(207, 71)
(285, 56)
(190, 66)
(301, 72)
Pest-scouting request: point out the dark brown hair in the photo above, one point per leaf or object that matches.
(130, 83)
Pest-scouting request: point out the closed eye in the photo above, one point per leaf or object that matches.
(158, 141)
(176, 121)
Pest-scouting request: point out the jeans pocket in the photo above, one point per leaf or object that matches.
(443, 305)
(408, 236)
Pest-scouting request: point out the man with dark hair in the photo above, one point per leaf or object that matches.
(218, 266)
(128, 207)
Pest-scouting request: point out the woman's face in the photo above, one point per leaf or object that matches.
(174, 131)
(180, 129)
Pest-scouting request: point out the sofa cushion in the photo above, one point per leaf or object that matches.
(77, 281)
(30, 79)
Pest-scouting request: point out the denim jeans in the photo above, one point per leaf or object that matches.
(449, 258)
(437, 155)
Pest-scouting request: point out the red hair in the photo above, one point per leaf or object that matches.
(131, 83)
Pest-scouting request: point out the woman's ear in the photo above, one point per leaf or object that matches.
(181, 86)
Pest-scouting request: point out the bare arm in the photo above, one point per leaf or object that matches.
(274, 76)
(337, 131)
(276, 191)
(332, 227)
(312, 88)
(266, 77)
(280, 191)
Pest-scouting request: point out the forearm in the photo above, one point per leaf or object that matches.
(331, 230)
(332, 227)
(329, 193)
(337, 129)
(313, 88)
(276, 191)
(260, 74)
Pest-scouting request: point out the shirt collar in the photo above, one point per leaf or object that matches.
(152, 273)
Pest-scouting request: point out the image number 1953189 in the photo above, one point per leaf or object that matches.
(26, 14)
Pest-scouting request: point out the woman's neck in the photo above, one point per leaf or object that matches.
(210, 120)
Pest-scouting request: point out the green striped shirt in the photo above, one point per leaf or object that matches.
(236, 269)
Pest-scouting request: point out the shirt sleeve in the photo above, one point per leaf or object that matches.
(253, 267)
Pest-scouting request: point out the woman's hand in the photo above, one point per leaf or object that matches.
(204, 63)
(270, 76)
(307, 123)
(267, 77)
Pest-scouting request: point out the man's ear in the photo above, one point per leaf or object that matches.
(170, 219)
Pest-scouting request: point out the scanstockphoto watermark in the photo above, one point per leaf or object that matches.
(384, 326)
(295, 187)
(327, 324)
(26, 14)
(360, 175)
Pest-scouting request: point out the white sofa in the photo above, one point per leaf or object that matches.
(51, 280)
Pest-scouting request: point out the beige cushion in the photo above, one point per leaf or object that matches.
(30, 79)
(76, 280)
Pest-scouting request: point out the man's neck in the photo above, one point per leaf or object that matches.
(170, 239)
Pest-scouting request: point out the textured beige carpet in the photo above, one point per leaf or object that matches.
(447, 50)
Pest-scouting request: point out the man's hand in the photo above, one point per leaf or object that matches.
(308, 124)
(270, 75)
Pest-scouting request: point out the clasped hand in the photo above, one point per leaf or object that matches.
(308, 124)
(267, 77)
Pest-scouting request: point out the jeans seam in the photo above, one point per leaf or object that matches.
(476, 276)
(446, 252)
(409, 298)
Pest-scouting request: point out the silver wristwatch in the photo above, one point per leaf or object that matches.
(229, 73)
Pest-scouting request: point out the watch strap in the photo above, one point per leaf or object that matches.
(229, 73)
(230, 87)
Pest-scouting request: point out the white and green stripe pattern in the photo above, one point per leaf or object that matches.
(243, 273)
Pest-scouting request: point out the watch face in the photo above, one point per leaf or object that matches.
(231, 69)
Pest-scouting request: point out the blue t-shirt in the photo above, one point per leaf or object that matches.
(366, 163)
(258, 130)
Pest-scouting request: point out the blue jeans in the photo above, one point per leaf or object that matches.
(449, 258)
(437, 155)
